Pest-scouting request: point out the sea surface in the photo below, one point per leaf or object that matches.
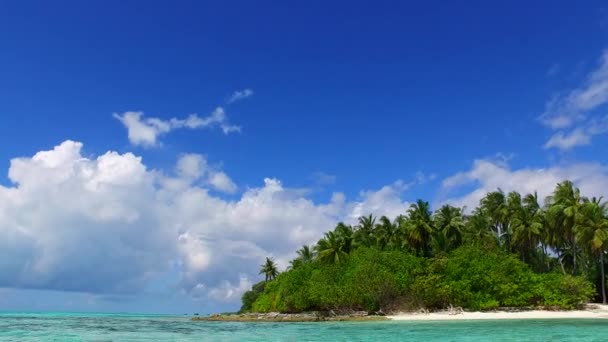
(122, 327)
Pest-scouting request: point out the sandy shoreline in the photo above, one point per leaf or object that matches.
(592, 311)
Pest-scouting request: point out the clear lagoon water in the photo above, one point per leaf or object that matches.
(120, 327)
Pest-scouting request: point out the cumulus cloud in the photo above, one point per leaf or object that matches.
(220, 181)
(110, 225)
(74, 223)
(576, 110)
(386, 201)
(240, 95)
(194, 167)
(227, 292)
(488, 175)
(145, 131)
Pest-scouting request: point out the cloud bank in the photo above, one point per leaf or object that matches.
(111, 225)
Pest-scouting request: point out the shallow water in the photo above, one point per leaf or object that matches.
(118, 327)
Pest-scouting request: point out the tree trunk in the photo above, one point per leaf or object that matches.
(544, 248)
(585, 265)
(603, 277)
(561, 263)
(498, 235)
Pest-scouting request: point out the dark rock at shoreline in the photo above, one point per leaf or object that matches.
(317, 316)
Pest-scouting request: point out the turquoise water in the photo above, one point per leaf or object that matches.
(112, 327)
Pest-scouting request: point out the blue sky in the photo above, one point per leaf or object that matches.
(344, 109)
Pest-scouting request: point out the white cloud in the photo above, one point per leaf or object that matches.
(75, 223)
(386, 201)
(111, 225)
(221, 182)
(194, 167)
(145, 131)
(576, 109)
(563, 111)
(488, 175)
(226, 292)
(579, 136)
(191, 165)
(142, 132)
(240, 95)
(195, 253)
(564, 141)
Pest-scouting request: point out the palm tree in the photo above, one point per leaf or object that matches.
(305, 254)
(346, 236)
(335, 245)
(269, 269)
(364, 231)
(449, 222)
(329, 249)
(477, 229)
(592, 231)
(386, 233)
(563, 210)
(494, 206)
(419, 227)
(526, 226)
(400, 235)
(537, 214)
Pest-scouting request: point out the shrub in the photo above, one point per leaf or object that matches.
(476, 278)
(562, 291)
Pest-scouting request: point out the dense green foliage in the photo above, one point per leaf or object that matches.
(252, 295)
(510, 251)
(371, 279)
(482, 279)
(367, 280)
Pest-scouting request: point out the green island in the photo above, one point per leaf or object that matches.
(510, 252)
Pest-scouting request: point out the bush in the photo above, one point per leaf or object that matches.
(484, 279)
(562, 291)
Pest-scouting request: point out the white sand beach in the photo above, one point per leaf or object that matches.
(592, 311)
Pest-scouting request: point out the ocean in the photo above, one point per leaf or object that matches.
(121, 327)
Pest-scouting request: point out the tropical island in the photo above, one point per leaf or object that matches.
(512, 252)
